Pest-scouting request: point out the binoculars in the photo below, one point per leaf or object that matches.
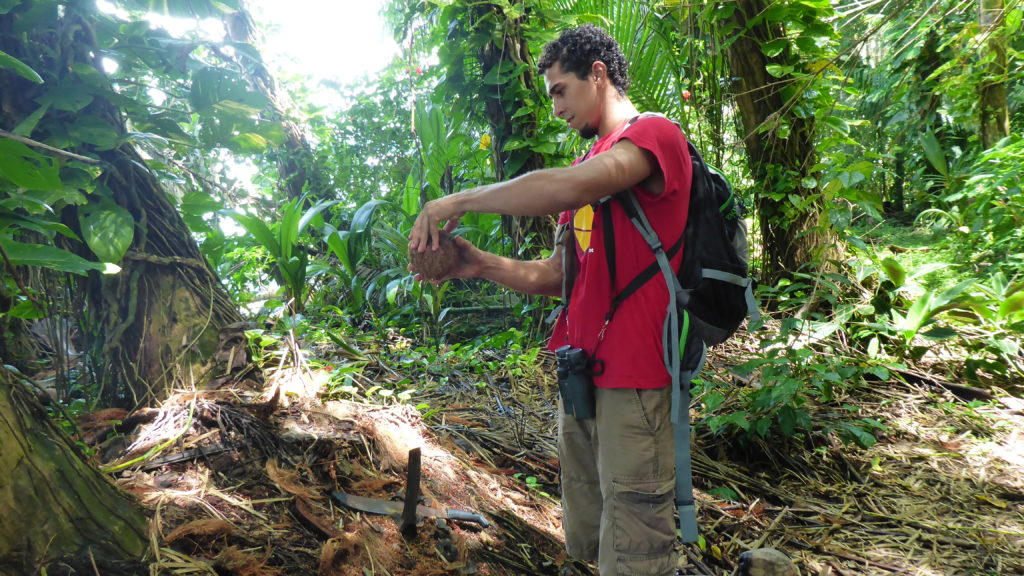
(575, 383)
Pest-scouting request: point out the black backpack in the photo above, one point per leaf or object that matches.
(712, 288)
(710, 296)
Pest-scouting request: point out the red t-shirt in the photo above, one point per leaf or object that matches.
(632, 350)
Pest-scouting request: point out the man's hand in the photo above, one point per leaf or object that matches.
(469, 264)
(425, 230)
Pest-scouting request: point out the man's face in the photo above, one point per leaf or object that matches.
(574, 100)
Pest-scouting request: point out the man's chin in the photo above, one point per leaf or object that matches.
(587, 132)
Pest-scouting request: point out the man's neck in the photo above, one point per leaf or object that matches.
(618, 110)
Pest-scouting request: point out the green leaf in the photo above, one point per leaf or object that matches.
(45, 227)
(952, 294)
(1013, 22)
(26, 310)
(225, 90)
(725, 493)
(8, 5)
(51, 257)
(69, 97)
(250, 142)
(1012, 306)
(258, 229)
(894, 271)
(836, 123)
(852, 432)
(337, 241)
(313, 211)
(934, 153)
(939, 333)
(713, 400)
(775, 47)
(28, 124)
(776, 12)
(94, 130)
(778, 70)
(196, 203)
(108, 229)
(920, 311)
(185, 8)
(364, 215)
(345, 345)
(19, 67)
(26, 168)
(880, 372)
(737, 419)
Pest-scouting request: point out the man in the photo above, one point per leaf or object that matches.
(617, 469)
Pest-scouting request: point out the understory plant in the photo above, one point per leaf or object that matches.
(790, 384)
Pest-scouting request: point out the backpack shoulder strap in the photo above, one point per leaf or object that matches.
(565, 237)
(680, 351)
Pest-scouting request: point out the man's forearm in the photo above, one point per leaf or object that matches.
(539, 277)
(536, 193)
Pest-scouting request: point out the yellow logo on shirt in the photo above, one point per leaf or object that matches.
(582, 224)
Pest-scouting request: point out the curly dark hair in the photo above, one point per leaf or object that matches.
(577, 49)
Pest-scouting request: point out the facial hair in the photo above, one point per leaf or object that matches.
(587, 132)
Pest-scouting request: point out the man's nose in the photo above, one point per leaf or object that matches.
(557, 110)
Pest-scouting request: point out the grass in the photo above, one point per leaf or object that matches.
(928, 255)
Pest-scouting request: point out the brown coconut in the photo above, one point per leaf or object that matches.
(436, 264)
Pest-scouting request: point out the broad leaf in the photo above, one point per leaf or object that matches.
(364, 215)
(185, 8)
(51, 257)
(1012, 306)
(108, 229)
(19, 67)
(894, 271)
(44, 227)
(8, 5)
(934, 153)
(94, 130)
(939, 333)
(258, 230)
(26, 168)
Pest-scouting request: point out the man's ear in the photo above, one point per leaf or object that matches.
(599, 71)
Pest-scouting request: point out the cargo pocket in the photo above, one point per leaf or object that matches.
(644, 531)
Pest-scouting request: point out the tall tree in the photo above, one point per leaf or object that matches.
(294, 157)
(58, 515)
(486, 50)
(155, 324)
(779, 134)
(508, 85)
(993, 108)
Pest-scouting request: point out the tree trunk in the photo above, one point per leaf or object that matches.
(995, 113)
(56, 511)
(159, 319)
(295, 158)
(791, 237)
(501, 101)
(153, 326)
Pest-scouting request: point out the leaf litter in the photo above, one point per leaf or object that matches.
(242, 487)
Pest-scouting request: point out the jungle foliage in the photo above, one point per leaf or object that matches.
(924, 222)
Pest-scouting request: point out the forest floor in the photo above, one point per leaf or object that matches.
(245, 488)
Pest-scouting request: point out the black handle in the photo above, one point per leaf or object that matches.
(467, 517)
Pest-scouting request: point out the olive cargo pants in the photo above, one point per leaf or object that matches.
(618, 483)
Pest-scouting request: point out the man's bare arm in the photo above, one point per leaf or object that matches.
(540, 277)
(540, 192)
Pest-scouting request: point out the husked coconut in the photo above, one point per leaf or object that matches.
(435, 264)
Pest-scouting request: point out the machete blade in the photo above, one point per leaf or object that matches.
(394, 508)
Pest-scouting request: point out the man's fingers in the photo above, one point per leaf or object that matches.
(452, 223)
(435, 241)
